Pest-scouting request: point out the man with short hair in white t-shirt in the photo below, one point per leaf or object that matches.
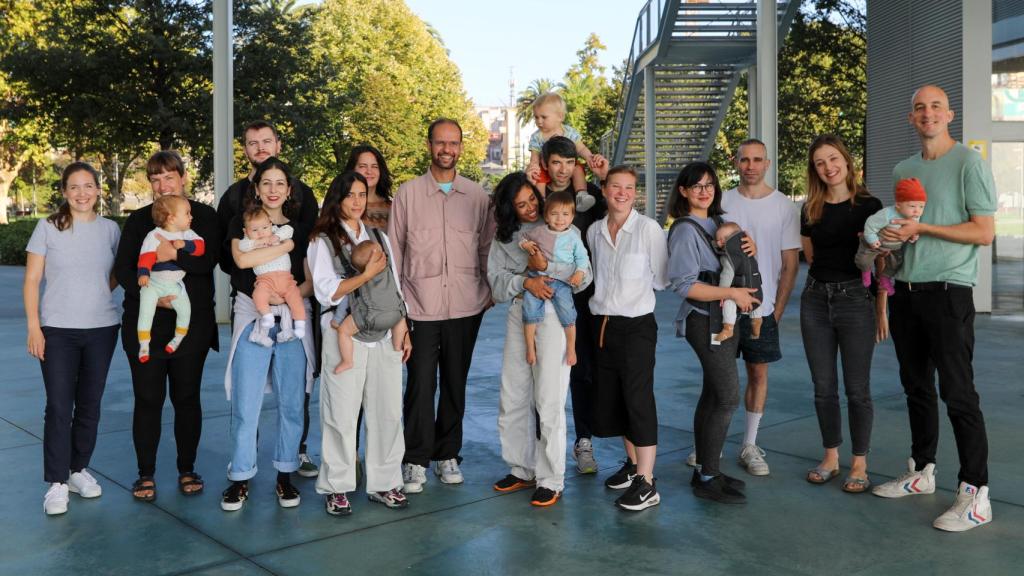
(772, 220)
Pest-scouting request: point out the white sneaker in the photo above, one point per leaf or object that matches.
(909, 484)
(970, 510)
(448, 471)
(583, 453)
(83, 484)
(752, 458)
(56, 499)
(691, 459)
(584, 201)
(414, 476)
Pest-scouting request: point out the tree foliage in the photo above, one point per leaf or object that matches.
(591, 99)
(822, 70)
(387, 77)
(119, 76)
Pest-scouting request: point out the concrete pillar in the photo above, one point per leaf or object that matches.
(767, 83)
(976, 115)
(223, 127)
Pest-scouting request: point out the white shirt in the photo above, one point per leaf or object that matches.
(629, 270)
(326, 280)
(774, 224)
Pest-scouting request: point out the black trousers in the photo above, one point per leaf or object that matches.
(933, 331)
(581, 376)
(150, 383)
(442, 347)
(623, 391)
(74, 374)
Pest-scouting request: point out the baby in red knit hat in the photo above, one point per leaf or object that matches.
(910, 201)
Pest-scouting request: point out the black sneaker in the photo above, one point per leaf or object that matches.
(287, 495)
(641, 495)
(623, 478)
(731, 482)
(511, 483)
(718, 489)
(544, 497)
(234, 497)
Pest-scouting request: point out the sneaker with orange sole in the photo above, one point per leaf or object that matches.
(544, 497)
(511, 483)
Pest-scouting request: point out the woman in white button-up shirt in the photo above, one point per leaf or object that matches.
(375, 381)
(629, 255)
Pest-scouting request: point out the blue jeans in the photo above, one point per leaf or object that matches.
(533, 307)
(837, 320)
(286, 364)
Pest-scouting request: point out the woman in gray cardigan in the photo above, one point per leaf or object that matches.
(527, 389)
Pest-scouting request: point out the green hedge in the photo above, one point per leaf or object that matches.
(14, 238)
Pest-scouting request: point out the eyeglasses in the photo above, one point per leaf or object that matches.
(709, 187)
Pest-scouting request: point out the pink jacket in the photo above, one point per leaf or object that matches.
(440, 244)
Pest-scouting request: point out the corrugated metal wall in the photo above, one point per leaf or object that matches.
(910, 43)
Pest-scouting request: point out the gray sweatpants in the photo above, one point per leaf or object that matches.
(523, 388)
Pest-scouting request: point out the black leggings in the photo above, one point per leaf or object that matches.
(719, 395)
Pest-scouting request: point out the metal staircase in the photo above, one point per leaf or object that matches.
(689, 56)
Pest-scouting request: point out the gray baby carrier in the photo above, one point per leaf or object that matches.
(375, 306)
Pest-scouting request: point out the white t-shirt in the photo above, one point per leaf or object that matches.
(774, 224)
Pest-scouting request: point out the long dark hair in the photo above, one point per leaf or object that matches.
(504, 204)
(292, 203)
(690, 175)
(328, 222)
(61, 219)
(385, 182)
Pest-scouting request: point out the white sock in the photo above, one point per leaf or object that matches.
(267, 321)
(299, 327)
(753, 422)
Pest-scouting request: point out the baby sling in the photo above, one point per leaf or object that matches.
(375, 306)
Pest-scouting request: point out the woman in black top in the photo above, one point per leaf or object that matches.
(837, 313)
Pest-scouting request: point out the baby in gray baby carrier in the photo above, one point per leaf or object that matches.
(738, 269)
(374, 308)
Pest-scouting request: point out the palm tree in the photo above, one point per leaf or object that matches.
(524, 103)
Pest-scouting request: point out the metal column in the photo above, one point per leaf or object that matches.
(650, 148)
(223, 126)
(767, 83)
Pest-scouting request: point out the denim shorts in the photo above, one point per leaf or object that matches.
(765, 349)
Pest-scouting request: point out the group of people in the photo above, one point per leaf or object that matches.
(371, 280)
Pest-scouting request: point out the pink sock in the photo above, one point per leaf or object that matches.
(865, 277)
(886, 283)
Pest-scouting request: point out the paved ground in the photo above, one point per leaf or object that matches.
(787, 527)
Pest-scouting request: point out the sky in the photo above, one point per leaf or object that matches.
(536, 38)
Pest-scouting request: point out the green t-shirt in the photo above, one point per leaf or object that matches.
(959, 185)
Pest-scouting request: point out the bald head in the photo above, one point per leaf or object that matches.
(930, 114)
(929, 93)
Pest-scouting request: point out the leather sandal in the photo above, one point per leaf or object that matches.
(190, 483)
(820, 475)
(143, 485)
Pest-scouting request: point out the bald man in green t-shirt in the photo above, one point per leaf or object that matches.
(932, 311)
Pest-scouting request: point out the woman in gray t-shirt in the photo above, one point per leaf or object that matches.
(73, 331)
